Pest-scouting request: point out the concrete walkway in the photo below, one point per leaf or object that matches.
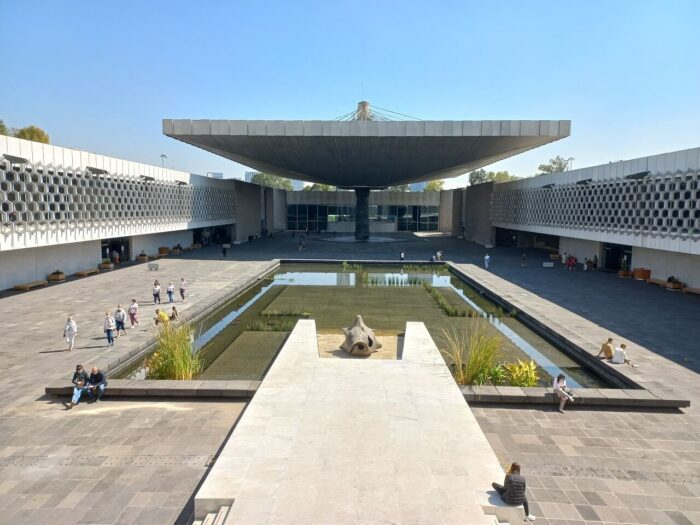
(117, 461)
(355, 441)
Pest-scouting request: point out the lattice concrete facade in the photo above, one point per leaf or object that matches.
(658, 210)
(42, 205)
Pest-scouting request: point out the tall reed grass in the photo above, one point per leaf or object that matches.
(471, 352)
(174, 357)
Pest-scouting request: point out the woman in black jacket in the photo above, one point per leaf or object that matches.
(513, 490)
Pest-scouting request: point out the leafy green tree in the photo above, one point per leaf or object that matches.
(319, 187)
(3, 128)
(479, 176)
(33, 133)
(434, 185)
(400, 187)
(555, 165)
(272, 181)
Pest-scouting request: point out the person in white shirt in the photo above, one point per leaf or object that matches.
(562, 391)
(120, 320)
(620, 356)
(170, 290)
(156, 292)
(134, 313)
(108, 327)
(183, 288)
(487, 260)
(70, 331)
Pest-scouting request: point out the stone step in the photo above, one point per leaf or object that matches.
(221, 515)
(209, 519)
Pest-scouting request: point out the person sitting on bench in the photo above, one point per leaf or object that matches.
(513, 490)
(80, 379)
(96, 384)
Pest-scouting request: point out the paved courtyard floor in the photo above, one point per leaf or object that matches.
(139, 462)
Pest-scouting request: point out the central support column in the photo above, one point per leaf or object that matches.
(362, 214)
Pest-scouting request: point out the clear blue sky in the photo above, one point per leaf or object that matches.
(100, 76)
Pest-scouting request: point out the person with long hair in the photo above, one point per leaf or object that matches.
(562, 391)
(513, 490)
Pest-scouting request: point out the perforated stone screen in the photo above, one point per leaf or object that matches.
(36, 198)
(662, 205)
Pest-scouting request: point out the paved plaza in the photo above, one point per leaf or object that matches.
(140, 461)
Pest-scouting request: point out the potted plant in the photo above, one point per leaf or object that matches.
(163, 250)
(106, 264)
(142, 256)
(624, 269)
(673, 283)
(57, 276)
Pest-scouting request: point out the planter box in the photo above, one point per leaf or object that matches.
(624, 274)
(674, 286)
(641, 274)
(163, 250)
(106, 266)
(142, 258)
(57, 277)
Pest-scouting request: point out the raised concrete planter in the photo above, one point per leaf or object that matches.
(167, 388)
(606, 397)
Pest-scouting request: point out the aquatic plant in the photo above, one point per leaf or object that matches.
(522, 373)
(174, 356)
(351, 267)
(272, 325)
(449, 309)
(471, 352)
(435, 269)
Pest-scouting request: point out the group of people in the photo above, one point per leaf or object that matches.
(114, 324)
(618, 355)
(571, 262)
(93, 385)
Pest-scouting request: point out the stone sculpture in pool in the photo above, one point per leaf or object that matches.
(360, 339)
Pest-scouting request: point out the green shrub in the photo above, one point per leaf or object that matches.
(174, 357)
(450, 309)
(274, 324)
(471, 352)
(522, 373)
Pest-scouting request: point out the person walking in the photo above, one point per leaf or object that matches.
(134, 313)
(487, 261)
(80, 380)
(402, 256)
(108, 326)
(156, 292)
(70, 331)
(223, 250)
(120, 320)
(513, 490)
(170, 290)
(183, 288)
(562, 391)
(523, 261)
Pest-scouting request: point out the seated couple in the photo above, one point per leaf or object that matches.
(94, 385)
(617, 356)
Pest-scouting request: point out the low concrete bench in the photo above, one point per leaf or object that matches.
(153, 266)
(28, 286)
(691, 290)
(608, 397)
(660, 282)
(85, 273)
(547, 264)
(166, 388)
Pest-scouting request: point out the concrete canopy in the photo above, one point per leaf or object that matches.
(366, 154)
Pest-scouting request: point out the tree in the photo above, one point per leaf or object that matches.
(319, 187)
(555, 165)
(272, 181)
(400, 187)
(479, 176)
(434, 185)
(3, 128)
(33, 133)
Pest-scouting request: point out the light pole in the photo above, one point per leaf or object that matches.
(163, 156)
(570, 161)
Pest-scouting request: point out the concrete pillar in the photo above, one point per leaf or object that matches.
(362, 214)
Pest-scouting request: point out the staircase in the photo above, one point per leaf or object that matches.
(214, 518)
